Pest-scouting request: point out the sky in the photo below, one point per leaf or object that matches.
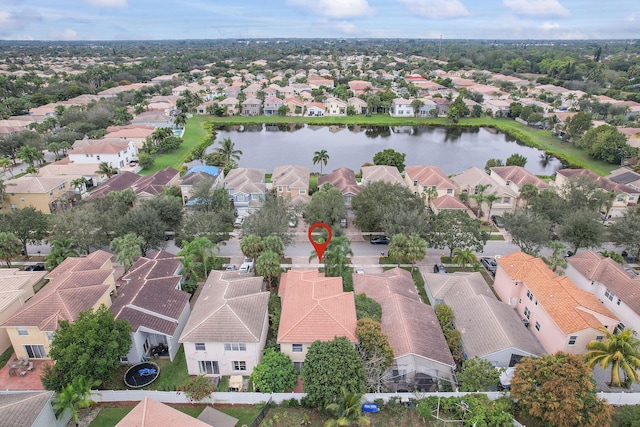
(215, 19)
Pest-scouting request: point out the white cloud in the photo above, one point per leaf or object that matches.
(436, 9)
(12, 22)
(345, 27)
(548, 26)
(107, 3)
(536, 7)
(67, 34)
(335, 8)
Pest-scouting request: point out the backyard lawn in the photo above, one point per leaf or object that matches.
(282, 416)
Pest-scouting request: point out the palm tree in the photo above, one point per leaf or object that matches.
(60, 250)
(28, 154)
(228, 152)
(80, 183)
(528, 192)
(7, 165)
(106, 169)
(621, 351)
(416, 250)
(556, 261)
(462, 257)
(74, 396)
(320, 157)
(429, 193)
(127, 248)
(346, 411)
(32, 170)
(201, 249)
(490, 199)
(480, 198)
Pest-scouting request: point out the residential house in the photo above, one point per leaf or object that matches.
(315, 109)
(489, 329)
(252, 90)
(422, 360)
(517, 176)
(317, 81)
(610, 283)
(157, 119)
(401, 107)
(137, 134)
(360, 87)
(292, 182)
(623, 195)
(76, 285)
(360, 106)
(197, 174)
(152, 301)
(230, 106)
(626, 176)
(150, 412)
(422, 180)
(30, 409)
(296, 106)
(145, 187)
(16, 288)
(252, 107)
(429, 108)
(469, 182)
(246, 188)
(272, 105)
(499, 107)
(384, 173)
(314, 308)
(442, 105)
(450, 203)
(114, 152)
(335, 107)
(561, 316)
(47, 194)
(344, 179)
(227, 329)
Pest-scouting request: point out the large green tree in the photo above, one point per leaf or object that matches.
(321, 157)
(558, 390)
(625, 232)
(146, 223)
(10, 247)
(271, 219)
(477, 375)
(456, 229)
(60, 250)
(168, 208)
(90, 347)
(127, 248)
(528, 229)
(326, 205)
(375, 352)
(329, 367)
(275, 374)
(29, 225)
(390, 157)
(620, 351)
(268, 265)
(606, 143)
(582, 229)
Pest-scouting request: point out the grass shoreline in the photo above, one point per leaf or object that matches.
(543, 140)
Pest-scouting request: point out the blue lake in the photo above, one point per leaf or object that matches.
(453, 149)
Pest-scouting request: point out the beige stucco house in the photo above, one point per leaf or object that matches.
(291, 182)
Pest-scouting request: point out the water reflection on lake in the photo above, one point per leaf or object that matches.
(454, 149)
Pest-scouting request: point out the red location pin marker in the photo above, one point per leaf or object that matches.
(320, 247)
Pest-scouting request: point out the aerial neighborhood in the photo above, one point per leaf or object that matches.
(137, 244)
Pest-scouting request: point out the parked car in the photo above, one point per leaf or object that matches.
(239, 221)
(439, 268)
(247, 266)
(293, 220)
(343, 223)
(35, 267)
(231, 267)
(359, 271)
(497, 220)
(490, 264)
(380, 240)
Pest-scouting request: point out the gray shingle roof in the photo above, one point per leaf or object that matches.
(20, 409)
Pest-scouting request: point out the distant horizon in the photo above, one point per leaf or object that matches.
(154, 20)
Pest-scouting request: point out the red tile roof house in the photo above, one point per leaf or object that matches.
(76, 285)
(625, 196)
(227, 329)
(561, 316)
(419, 178)
(152, 301)
(344, 179)
(489, 329)
(150, 412)
(422, 360)
(610, 283)
(145, 187)
(314, 307)
(517, 176)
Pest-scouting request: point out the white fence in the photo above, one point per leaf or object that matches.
(621, 398)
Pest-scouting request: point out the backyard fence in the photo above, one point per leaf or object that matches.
(261, 415)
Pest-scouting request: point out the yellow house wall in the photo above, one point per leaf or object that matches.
(5, 340)
(34, 337)
(40, 201)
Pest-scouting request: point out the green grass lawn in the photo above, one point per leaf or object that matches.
(172, 374)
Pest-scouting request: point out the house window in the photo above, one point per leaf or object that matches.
(619, 301)
(529, 295)
(537, 326)
(240, 198)
(235, 346)
(279, 188)
(527, 313)
(13, 207)
(23, 331)
(296, 348)
(573, 339)
(506, 200)
(239, 365)
(50, 335)
(51, 193)
(208, 367)
(415, 183)
(298, 366)
(600, 338)
(621, 198)
(200, 346)
(21, 199)
(35, 351)
(449, 190)
(303, 190)
(609, 294)
(508, 183)
(124, 359)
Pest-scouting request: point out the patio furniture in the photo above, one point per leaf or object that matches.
(30, 368)
(235, 382)
(22, 372)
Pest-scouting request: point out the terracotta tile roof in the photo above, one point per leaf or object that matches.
(384, 173)
(519, 176)
(293, 176)
(568, 305)
(76, 285)
(231, 307)
(601, 269)
(153, 184)
(34, 184)
(473, 176)
(118, 182)
(100, 147)
(314, 307)
(604, 183)
(344, 179)
(429, 176)
(152, 413)
(21, 409)
(411, 325)
(245, 180)
(150, 297)
(448, 202)
(16, 284)
(486, 325)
